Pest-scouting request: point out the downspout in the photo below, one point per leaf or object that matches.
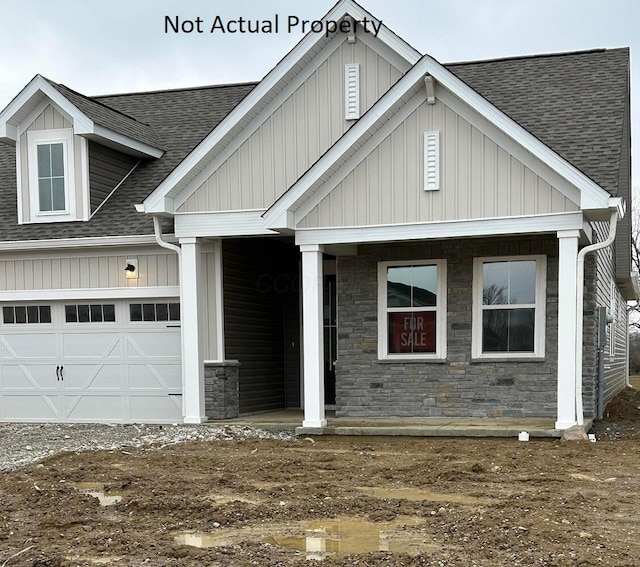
(613, 223)
(158, 234)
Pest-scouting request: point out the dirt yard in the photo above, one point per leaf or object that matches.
(348, 501)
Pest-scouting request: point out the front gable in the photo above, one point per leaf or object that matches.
(292, 136)
(477, 176)
(382, 59)
(396, 106)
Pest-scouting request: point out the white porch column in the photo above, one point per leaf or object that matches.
(567, 340)
(192, 331)
(312, 336)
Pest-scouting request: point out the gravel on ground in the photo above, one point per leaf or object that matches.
(25, 443)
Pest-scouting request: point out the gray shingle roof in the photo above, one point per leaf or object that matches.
(574, 103)
(181, 117)
(109, 118)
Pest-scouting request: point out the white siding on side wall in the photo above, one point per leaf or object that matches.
(295, 135)
(477, 179)
(615, 367)
(87, 270)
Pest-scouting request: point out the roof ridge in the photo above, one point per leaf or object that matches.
(537, 56)
(179, 89)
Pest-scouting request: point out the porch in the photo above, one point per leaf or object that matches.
(289, 420)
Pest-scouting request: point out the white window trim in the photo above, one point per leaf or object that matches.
(441, 312)
(34, 139)
(540, 307)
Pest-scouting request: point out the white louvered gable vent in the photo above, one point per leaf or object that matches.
(431, 161)
(352, 91)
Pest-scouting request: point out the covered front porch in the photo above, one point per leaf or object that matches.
(289, 420)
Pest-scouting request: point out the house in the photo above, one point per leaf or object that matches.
(364, 228)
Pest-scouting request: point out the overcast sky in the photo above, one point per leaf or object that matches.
(121, 45)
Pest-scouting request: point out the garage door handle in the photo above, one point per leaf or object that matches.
(58, 373)
(61, 374)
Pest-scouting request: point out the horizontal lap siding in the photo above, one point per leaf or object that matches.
(87, 270)
(615, 366)
(254, 318)
(107, 168)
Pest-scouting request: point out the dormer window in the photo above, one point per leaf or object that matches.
(51, 175)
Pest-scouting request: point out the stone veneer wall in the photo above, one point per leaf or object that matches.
(221, 399)
(459, 387)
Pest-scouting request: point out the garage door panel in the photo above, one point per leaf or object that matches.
(93, 377)
(94, 408)
(29, 377)
(29, 346)
(91, 345)
(156, 408)
(146, 377)
(113, 371)
(154, 344)
(30, 408)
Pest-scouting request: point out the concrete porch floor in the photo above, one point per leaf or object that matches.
(291, 420)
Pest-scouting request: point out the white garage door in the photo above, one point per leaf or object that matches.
(112, 361)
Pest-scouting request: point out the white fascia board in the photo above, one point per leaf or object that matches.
(93, 242)
(86, 293)
(162, 207)
(219, 224)
(592, 195)
(533, 224)
(39, 83)
(395, 42)
(320, 168)
(153, 201)
(8, 133)
(140, 149)
(401, 63)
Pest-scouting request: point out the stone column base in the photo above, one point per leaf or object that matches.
(221, 396)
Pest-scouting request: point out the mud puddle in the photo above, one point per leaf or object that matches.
(324, 538)
(96, 490)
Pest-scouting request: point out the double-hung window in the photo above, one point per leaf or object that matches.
(509, 307)
(51, 175)
(412, 306)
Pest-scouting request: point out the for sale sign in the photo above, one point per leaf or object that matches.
(412, 332)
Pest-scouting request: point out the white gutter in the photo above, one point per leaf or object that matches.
(158, 234)
(613, 222)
